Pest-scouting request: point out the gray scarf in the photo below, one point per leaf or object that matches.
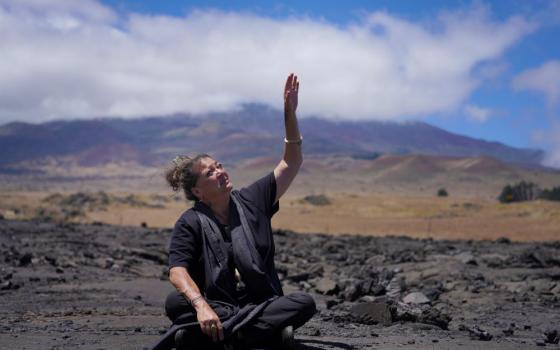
(261, 281)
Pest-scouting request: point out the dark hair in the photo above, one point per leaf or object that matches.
(182, 176)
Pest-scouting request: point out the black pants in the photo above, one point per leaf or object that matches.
(290, 310)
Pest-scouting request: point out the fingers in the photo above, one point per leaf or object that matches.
(288, 85)
(220, 331)
(213, 330)
(292, 85)
(207, 329)
(214, 333)
(209, 322)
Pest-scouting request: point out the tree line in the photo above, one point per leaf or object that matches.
(527, 191)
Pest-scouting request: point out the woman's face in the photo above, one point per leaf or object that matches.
(213, 180)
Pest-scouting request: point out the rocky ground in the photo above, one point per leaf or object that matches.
(65, 286)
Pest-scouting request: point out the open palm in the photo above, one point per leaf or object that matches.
(291, 93)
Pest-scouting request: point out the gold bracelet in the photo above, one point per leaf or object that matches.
(296, 142)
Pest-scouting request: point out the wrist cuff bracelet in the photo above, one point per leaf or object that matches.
(297, 142)
(193, 300)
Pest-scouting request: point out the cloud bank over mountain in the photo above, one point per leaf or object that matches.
(79, 59)
(544, 79)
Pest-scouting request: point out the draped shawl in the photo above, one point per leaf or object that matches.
(261, 279)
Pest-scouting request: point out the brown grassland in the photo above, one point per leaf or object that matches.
(363, 197)
(419, 216)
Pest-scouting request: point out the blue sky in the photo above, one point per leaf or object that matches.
(486, 69)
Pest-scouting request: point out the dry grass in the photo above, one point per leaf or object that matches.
(365, 213)
(389, 196)
(421, 216)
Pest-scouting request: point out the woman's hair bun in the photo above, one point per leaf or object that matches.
(174, 172)
(180, 175)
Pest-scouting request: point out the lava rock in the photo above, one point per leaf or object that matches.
(333, 246)
(466, 258)
(508, 332)
(353, 292)
(326, 286)
(395, 287)
(9, 285)
(503, 240)
(316, 270)
(300, 277)
(422, 313)
(434, 293)
(476, 332)
(104, 263)
(373, 313)
(552, 336)
(331, 303)
(496, 261)
(25, 259)
(51, 260)
(415, 298)
(435, 317)
(377, 290)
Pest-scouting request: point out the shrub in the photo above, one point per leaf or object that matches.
(523, 191)
(319, 199)
(43, 214)
(442, 192)
(551, 195)
(367, 156)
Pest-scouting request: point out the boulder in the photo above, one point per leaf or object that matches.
(372, 313)
(326, 286)
(466, 258)
(316, 270)
(353, 292)
(552, 336)
(476, 332)
(25, 259)
(395, 287)
(300, 277)
(415, 298)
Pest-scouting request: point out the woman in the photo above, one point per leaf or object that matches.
(221, 253)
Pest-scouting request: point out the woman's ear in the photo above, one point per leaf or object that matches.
(196, 192)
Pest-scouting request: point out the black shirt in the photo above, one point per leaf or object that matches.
(185, 248)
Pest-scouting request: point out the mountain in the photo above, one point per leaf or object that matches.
(254, 131)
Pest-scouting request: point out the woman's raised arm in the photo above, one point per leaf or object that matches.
(287, 169)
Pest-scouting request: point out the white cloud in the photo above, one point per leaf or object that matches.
(552, 158)
(549, 138)
(544, 79)
(78, 58)
(476, 113)
(492, 70)
(56, 12)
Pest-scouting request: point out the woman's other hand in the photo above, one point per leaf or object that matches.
(291, 94)
(209, 322)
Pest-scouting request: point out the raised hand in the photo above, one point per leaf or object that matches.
(291, 94)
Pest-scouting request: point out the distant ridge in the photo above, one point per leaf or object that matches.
(254, 131)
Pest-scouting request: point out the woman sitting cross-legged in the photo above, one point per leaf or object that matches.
(221, 254)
